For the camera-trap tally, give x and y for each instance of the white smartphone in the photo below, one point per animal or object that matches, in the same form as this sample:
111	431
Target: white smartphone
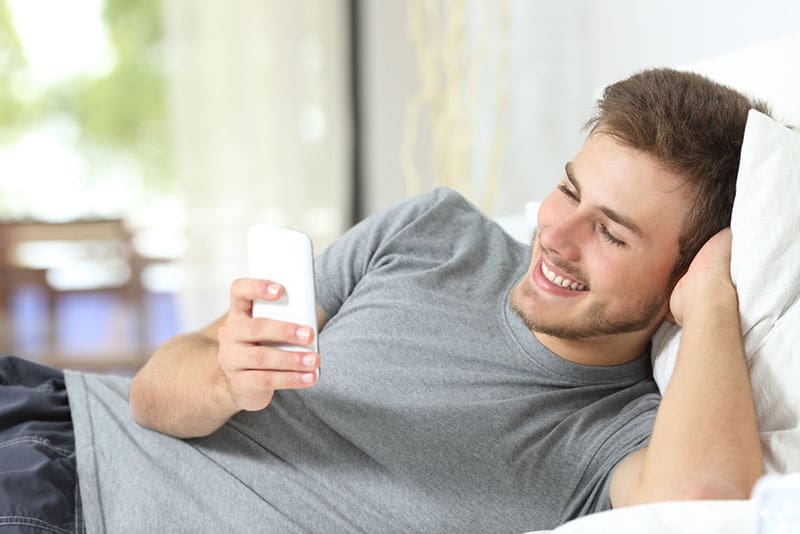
284	256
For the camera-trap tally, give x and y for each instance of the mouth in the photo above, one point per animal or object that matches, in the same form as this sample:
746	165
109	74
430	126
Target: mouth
561	280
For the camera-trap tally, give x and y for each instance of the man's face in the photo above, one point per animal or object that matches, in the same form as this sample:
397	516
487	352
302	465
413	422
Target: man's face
606	244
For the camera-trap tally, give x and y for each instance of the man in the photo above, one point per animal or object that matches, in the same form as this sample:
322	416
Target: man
471	383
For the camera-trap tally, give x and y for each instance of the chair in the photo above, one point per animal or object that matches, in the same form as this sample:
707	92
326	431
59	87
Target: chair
72	257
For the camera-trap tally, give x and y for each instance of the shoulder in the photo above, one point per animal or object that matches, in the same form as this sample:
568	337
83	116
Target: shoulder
441	219
450	208
449	222
441	198
433	212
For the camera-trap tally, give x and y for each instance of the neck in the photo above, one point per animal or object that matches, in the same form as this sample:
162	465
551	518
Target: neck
601	351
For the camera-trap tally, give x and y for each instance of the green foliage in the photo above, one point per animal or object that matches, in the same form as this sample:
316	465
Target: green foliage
115	108
14	113
122	111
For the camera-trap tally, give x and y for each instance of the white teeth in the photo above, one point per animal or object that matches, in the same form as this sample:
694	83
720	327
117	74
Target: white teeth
561	281
550	275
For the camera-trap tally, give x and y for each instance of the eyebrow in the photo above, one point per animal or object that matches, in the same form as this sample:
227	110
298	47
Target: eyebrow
608	212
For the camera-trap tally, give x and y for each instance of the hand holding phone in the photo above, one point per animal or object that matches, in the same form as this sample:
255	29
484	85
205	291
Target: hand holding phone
284	256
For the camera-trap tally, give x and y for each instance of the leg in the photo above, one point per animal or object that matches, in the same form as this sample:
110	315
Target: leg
38	477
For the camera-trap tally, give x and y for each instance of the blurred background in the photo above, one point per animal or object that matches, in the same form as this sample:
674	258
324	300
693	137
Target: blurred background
140	138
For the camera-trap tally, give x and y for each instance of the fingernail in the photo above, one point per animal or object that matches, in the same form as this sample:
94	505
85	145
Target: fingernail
273	290
309	359
307	377
303	333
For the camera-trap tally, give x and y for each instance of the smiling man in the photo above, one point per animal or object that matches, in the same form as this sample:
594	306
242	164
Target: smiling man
471	383
603	260
654	180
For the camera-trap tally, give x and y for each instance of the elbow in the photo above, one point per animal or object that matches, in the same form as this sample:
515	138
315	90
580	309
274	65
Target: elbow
713	492
140	403
723	488
699	489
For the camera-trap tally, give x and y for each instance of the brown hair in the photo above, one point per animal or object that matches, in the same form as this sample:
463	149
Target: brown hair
694	127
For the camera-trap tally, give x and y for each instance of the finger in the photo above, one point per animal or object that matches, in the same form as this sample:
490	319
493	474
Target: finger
272	359
264	330
245	290
254	382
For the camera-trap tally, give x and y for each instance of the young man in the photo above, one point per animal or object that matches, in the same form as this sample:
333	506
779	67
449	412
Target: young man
470	383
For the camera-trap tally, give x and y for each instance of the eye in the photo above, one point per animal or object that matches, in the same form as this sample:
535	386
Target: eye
608	236
569	193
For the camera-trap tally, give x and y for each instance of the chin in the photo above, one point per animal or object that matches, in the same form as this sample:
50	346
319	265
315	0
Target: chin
526	304
567	318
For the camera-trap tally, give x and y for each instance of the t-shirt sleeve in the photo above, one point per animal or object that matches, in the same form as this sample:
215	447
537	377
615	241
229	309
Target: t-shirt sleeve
341	266
630	432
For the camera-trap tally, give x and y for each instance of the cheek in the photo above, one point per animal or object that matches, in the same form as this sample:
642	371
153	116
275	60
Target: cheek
631	276
607	270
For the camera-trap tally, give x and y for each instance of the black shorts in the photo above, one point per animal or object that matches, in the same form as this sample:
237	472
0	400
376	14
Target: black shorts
38	477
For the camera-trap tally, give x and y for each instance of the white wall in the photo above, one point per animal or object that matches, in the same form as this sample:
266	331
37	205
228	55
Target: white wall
560	55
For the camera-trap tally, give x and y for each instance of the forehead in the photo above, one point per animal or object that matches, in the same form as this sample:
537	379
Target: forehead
632	183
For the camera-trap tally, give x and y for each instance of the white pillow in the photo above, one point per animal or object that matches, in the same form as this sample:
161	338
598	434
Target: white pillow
521	226
765	266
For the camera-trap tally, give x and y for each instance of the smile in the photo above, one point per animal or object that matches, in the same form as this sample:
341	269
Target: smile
559	280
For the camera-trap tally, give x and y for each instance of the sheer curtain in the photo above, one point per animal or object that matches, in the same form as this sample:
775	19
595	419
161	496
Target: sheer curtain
258	105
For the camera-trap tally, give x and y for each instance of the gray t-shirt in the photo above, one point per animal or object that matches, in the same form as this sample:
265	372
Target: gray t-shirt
436	410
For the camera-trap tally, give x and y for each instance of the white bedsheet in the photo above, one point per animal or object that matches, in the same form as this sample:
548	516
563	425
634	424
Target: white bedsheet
700	517
773	509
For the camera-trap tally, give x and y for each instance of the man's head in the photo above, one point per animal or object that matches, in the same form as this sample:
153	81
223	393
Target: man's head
694	127
653	181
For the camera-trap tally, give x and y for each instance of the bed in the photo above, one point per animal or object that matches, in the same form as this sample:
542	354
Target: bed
766	270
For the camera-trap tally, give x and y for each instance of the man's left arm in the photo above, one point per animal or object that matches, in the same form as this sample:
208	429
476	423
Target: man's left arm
705	442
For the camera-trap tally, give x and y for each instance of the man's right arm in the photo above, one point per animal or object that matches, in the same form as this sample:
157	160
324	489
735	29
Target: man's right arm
705	442
195	382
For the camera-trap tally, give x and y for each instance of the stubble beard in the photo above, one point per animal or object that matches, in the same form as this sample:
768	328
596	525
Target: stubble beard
596	322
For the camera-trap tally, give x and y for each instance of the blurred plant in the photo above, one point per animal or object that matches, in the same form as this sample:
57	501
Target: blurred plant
126	108
15	112
122	111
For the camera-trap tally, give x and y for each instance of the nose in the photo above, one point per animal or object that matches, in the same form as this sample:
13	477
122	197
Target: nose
562	237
